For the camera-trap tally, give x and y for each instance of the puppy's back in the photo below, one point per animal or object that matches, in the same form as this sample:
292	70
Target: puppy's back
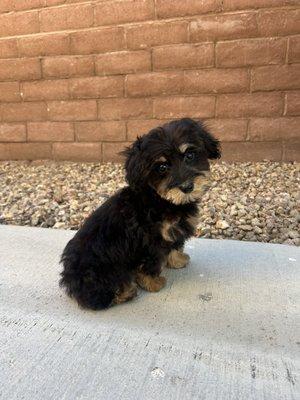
95	261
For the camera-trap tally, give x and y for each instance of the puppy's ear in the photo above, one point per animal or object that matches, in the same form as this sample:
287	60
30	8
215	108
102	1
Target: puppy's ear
211	144
135	164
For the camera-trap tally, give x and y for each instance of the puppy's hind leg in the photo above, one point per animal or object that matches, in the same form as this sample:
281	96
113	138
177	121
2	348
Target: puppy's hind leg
125	293
150	283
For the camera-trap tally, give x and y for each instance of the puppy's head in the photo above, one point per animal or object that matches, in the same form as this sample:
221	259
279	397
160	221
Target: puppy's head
173	160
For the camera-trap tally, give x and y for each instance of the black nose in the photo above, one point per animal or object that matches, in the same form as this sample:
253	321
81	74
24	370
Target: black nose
187	187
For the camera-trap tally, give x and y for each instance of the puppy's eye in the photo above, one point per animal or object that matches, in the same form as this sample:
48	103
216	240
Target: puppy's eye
162	168
189	156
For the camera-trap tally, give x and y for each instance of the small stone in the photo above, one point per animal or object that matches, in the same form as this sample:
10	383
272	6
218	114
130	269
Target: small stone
293	234
296	241
222	224
255	222
288	241
246	227
50	221
34	220
59	225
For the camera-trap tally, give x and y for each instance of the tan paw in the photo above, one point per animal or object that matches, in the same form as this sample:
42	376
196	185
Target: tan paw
149	283
177	259
127	293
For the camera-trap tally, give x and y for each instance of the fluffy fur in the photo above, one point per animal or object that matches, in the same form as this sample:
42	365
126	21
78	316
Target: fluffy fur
143	227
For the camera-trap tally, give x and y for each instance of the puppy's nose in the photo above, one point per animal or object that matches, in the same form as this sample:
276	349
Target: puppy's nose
187	187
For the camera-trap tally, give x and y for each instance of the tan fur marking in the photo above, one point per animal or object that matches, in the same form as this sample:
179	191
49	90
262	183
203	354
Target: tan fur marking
166	230
149	283
182	148
127	293
161	159
176	196
177	259
166	225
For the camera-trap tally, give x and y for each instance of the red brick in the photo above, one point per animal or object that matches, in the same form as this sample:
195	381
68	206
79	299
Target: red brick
77	151
248	151
171	8
140	127
96	87
77	1
117	12
66	67
69	17
12	24
50	131
276	77
116	109
228	130
6	5
248	105
98	41
20	5
179	107
216	81
9	91
245	4
123	62
96	131
183	56
293	103
20	69
294	49
44	45
292	151
29	151
75	110
49	3
45	90
228	26
278	22
24	111
111	151
240	53
4	152
154	83
274	129
155	34
57	2
8	48
12	133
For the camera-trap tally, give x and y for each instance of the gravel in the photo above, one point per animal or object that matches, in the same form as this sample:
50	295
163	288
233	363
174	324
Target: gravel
247	201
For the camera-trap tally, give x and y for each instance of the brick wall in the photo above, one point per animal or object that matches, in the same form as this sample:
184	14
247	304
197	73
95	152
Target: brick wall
79	79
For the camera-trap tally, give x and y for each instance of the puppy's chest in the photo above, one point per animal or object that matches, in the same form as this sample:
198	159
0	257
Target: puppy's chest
178	228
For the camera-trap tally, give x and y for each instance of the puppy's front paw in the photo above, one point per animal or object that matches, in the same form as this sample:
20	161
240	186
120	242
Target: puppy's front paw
158	283
149	283
177	259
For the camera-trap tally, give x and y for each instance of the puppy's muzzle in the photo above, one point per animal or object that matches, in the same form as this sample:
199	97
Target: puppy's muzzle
187	187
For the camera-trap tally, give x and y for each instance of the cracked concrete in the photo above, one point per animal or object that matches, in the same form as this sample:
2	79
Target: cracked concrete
225	327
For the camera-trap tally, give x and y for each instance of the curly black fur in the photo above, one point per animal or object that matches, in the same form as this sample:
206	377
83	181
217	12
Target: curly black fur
124	235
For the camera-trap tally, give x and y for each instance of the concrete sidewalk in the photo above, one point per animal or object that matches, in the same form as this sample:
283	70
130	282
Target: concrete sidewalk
226	327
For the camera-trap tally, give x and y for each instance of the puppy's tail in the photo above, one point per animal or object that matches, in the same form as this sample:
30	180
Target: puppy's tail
81	283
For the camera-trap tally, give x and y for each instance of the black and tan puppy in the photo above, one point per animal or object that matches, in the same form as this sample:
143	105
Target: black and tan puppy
143	227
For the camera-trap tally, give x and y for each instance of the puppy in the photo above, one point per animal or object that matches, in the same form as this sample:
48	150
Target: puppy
143	227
